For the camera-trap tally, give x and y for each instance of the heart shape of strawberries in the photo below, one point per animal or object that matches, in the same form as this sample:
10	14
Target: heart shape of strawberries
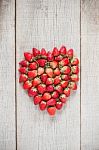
49	77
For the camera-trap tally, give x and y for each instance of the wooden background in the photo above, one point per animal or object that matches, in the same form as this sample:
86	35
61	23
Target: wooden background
47	23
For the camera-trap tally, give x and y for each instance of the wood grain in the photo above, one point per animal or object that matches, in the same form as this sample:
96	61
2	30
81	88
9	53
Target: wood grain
47	23
90	75
7	75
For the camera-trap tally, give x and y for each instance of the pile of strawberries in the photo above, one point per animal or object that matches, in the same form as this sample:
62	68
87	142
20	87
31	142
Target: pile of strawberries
49	77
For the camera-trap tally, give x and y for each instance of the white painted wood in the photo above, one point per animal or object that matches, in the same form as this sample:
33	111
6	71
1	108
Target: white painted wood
90	75
47	23
7	75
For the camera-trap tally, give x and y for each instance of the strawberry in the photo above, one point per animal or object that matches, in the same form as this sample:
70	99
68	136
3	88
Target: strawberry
59	58
67	91
46	96
27	85
59	105
66	70
59	89
57	72
74	61
32	74
23	78
55	94
64	62
55	52
65	77
50	88
53	64
50	56
36	81
44	77
49	72
64	84
74	77
32	92
41	88
63	98
42	105
51	110
49	81
40	71
28	56
51	102
70	53
37	99
62	50
41	62
43	52
57	80
75	69
23	63
35	51
23	70
33	66
73	85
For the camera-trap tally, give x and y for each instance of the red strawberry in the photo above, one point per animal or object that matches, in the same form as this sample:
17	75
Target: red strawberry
41	88
27	85
50	88
64	84
43	52
40	70
55	52
46	96
62	50
75	69
28	56
73	85
53	64
41	62
74	61
36	81
44	77
59	105
32	74
70	53
23	70
63	98
74	77
36	52
55	94
59	89
23	78
66	70
33	66
59	58
24	63
67	91
50	56
42	105
57	80
51	102
32	92
37	99
64	62
51	110
57	72
49	72
49	81
65	77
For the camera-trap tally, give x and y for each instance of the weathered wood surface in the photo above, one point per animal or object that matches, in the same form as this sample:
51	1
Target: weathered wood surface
49	23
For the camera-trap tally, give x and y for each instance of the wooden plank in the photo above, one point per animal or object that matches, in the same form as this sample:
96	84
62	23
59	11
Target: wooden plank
7	75
90	75
47	23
